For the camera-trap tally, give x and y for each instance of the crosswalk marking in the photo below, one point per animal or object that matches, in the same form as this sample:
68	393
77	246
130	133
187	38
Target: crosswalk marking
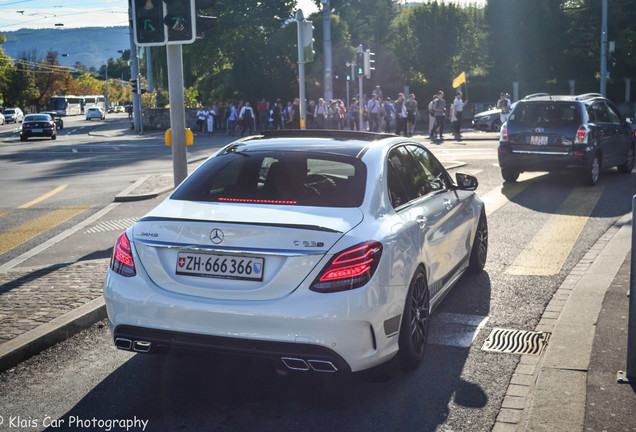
27	231
43	197
546	253
496	198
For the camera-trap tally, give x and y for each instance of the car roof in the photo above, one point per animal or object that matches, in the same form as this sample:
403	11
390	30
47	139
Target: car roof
342	142
586	98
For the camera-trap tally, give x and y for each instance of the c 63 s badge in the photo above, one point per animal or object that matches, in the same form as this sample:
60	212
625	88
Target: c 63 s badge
308	243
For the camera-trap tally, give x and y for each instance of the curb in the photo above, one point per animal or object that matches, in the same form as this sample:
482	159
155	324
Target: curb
128	194
45	336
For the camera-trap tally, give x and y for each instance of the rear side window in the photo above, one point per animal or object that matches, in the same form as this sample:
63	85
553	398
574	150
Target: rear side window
546	114
277	178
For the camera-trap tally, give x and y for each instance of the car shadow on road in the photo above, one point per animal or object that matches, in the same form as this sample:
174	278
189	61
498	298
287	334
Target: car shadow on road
547	192
214	392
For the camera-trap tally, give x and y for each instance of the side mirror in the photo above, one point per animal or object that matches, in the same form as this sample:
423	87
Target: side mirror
466	181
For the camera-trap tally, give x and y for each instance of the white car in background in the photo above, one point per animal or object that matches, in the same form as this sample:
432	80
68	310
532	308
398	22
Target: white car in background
95	112
13	115
322	250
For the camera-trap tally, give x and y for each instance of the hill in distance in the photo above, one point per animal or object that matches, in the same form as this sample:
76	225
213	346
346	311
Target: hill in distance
91	46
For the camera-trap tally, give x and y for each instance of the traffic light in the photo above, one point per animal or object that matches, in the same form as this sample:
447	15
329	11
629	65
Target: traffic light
367	63
133	85
148	22
360	63
180	21
308	38
204	22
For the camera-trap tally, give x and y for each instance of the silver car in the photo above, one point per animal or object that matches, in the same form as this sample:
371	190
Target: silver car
322	250
13	115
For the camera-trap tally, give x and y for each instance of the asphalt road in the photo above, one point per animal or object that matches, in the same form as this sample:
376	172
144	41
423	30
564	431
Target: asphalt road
539	229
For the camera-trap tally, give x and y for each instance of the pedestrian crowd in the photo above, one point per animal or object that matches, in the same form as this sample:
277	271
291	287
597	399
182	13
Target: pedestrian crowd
379	114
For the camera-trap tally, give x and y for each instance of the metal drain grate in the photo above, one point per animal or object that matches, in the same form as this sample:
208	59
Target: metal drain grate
516	341
113	225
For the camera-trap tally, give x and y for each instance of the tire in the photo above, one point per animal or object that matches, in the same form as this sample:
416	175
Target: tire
23	138
628	166
479	251
496	126
54	137
592	172
509	174
414	329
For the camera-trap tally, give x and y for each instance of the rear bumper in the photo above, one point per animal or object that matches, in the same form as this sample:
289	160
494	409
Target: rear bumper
533	158
305	356
340	328
47	133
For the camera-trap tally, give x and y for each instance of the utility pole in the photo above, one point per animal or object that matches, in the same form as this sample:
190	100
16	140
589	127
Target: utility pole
604	49
301	66
326	19
107	89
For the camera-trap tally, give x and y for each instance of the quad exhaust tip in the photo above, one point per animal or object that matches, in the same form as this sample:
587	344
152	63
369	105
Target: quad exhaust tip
130	345
299	364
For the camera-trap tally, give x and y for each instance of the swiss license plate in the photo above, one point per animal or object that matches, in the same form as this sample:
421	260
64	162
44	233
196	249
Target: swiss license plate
37	130
539	140
220	266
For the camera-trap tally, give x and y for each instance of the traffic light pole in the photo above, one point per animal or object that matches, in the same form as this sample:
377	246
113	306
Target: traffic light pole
134	74
301	67
360	95
177	113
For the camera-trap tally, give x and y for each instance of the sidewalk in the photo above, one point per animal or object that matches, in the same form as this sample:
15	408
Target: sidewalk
573	385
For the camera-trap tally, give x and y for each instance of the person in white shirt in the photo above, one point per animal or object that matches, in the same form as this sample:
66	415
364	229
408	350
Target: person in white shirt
458	108
247	115
202	115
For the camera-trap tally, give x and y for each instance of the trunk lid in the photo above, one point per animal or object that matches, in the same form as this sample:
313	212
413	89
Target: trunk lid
236	251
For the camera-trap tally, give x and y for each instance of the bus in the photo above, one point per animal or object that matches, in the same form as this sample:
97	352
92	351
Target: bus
75	105
67	105
95	101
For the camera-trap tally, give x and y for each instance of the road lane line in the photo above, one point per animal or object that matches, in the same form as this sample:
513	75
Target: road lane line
502	195
43	197
546	253
27	231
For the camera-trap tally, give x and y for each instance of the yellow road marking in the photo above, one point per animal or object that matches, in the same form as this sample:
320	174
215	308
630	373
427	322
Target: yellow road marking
550	247
25	232
3	213
499	196
43	197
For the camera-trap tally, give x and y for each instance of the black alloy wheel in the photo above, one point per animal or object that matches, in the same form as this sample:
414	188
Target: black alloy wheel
479	252
414	329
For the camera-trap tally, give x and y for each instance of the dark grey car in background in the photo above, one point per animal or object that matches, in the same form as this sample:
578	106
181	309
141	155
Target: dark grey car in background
585	133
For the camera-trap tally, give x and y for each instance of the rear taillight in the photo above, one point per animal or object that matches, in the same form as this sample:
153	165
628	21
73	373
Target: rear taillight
503	136
121	262
349	269
581	135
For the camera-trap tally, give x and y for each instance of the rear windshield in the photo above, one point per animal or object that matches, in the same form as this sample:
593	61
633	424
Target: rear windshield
9	111
546	114
37	117
277	178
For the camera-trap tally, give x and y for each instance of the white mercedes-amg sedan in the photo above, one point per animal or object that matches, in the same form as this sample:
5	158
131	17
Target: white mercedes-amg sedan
323	250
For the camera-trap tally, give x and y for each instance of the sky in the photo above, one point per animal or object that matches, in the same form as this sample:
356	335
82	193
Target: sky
17	14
